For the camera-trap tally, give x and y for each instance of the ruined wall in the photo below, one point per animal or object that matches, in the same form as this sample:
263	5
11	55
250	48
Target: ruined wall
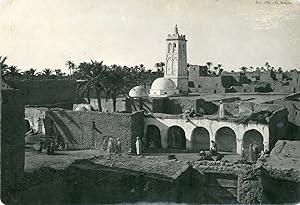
91	130
172	105
230	183
293	108
38	92
178	105
155	105
278	126
12	144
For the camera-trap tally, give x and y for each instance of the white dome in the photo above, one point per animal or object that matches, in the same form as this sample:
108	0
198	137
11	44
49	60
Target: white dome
163	84
138	91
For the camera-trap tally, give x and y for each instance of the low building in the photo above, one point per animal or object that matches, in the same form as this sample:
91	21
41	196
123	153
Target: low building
232	134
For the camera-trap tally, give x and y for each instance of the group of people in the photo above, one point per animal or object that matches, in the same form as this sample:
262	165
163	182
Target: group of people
213	152
113	147
192	113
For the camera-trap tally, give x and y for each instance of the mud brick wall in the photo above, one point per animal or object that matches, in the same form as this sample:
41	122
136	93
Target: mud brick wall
39	92
230	183
148	104
91	130
250	189
12	144
278	190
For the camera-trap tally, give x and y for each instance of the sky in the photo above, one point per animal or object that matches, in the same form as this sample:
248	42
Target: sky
47	33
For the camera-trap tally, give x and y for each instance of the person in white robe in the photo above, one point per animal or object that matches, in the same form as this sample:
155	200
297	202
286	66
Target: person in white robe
221	110
138	146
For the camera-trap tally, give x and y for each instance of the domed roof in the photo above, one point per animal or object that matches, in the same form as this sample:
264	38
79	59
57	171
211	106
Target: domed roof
138	91
163	84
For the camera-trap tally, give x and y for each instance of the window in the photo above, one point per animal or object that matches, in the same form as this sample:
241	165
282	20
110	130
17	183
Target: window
169	48
174	47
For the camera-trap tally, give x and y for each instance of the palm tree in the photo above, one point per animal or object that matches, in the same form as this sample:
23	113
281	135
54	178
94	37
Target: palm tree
29	74
162	65
93	75
47	72
3	66
244	69
124	79
157	65
220	70
12	72
71	66
267	65
209	64
59	73
216	70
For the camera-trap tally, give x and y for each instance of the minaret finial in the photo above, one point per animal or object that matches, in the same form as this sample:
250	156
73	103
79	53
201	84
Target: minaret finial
176	29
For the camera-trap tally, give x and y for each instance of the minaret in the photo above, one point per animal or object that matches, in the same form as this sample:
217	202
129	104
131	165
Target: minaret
176	60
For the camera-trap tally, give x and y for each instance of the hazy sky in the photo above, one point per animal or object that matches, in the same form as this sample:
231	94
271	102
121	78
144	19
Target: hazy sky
46	33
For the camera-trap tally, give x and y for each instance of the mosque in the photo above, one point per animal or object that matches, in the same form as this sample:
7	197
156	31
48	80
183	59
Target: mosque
175	80
176	131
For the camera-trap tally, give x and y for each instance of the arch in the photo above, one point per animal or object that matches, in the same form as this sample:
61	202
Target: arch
27	125
174	47
226	140
252	137
169	47
200	139
153	134
176	138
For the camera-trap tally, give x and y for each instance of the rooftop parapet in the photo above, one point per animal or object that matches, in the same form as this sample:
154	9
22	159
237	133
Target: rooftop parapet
176	37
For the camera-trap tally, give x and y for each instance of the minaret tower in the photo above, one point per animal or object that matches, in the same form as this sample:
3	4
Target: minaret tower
176	60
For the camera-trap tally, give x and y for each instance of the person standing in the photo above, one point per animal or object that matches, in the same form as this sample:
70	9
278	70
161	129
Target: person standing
221	110
138	146
110	146
213	149
118	146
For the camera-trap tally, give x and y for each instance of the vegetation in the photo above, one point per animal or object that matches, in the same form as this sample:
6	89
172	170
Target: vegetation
98	80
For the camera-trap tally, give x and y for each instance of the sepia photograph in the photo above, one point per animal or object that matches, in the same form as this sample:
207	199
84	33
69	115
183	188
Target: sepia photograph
150	101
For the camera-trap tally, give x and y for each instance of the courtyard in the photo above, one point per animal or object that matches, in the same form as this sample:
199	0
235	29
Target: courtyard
63	158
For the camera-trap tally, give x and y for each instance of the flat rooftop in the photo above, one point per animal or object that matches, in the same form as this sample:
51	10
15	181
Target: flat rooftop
249	97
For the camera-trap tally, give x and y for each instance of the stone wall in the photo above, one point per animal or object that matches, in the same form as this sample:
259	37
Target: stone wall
12	144
91	130
39	92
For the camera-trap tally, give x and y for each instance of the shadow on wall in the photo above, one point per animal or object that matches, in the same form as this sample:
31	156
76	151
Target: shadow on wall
62	129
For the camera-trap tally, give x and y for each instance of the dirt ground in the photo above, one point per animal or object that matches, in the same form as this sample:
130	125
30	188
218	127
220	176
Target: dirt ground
62	159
